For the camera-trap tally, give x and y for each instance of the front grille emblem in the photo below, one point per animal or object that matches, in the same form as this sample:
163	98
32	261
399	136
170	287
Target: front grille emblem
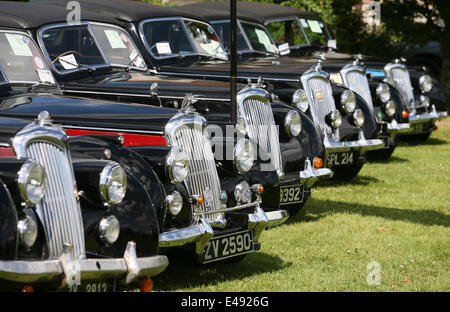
320	95
209	199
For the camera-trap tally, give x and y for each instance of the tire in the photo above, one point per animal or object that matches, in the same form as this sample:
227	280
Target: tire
347	172
295	209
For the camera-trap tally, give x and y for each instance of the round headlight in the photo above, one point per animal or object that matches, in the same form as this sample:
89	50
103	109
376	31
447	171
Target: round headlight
109	229
244	155
348	101
113	183
358	117
425	83
300	100
293	123
425	100
390	108
383	92
31	180
27	230
243	193
240	126
334	119
174	203
177	165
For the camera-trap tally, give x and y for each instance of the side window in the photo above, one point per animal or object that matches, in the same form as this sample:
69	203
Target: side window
287	32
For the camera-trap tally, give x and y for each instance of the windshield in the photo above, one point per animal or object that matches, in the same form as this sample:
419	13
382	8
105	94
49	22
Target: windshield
259	38
315	30
72	47
21	60
175	37
118	47
223	31
287	31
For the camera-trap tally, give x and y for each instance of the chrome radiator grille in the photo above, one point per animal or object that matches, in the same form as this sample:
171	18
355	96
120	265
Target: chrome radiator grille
399	73
262	129
320	97
357	81
203	178
59	210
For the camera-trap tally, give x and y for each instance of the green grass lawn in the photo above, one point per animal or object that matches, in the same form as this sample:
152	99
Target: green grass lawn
395	213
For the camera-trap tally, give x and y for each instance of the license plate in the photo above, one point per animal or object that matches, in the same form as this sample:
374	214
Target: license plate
419	127
227	246
291	194
90	287
340	159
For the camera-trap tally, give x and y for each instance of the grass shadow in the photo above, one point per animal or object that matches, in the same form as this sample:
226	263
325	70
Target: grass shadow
196	275
317	209
392	159
358	180
405	141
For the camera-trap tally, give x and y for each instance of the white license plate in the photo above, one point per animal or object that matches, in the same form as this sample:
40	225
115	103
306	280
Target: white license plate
340	159
291	194
227	246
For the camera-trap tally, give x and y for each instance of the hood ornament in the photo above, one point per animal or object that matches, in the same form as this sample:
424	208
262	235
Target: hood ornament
188	102
259	83
358	59
320	60
44	118
400	60
155	93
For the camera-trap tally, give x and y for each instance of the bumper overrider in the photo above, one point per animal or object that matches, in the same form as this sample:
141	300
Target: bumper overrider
396	128
362	145
310	175
65	269
202	232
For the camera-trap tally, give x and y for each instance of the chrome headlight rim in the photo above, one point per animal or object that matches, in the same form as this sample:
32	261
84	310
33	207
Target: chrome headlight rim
348	101
334	119
358	117
177	164
383	92
425	83
241	126
27	230
390	108
174	203
293	123
109	229
113	177
32	173
300	100
244	148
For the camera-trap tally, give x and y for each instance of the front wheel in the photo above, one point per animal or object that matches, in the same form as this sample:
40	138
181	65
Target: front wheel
347	172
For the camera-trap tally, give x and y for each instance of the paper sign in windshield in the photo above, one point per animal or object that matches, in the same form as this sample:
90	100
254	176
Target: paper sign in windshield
68	61
45	76
283	49
263	37
315	27
136	59
114	39
18	45
163	48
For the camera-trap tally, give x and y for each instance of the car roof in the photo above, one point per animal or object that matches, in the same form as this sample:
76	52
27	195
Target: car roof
29	15
251	11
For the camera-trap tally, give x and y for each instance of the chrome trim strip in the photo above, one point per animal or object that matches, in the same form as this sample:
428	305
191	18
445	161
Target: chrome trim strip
113	130
224	76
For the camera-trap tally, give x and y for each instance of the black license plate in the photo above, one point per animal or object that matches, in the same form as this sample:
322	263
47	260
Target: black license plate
291	194
227	246
341	159
90	286
419	128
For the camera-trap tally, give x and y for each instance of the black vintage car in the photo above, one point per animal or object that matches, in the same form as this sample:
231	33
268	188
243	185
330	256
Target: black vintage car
104	71
304	34
69	221
179	44
191	206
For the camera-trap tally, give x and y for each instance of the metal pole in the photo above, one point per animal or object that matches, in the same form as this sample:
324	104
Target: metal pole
233	60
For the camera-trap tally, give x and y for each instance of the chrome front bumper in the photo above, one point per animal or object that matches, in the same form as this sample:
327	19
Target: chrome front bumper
309	176
202	232
362	144
395	128
72	271
423	118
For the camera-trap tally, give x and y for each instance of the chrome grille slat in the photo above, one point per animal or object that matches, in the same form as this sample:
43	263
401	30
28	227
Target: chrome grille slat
202	167
59	208
357	81
262	129
317	82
